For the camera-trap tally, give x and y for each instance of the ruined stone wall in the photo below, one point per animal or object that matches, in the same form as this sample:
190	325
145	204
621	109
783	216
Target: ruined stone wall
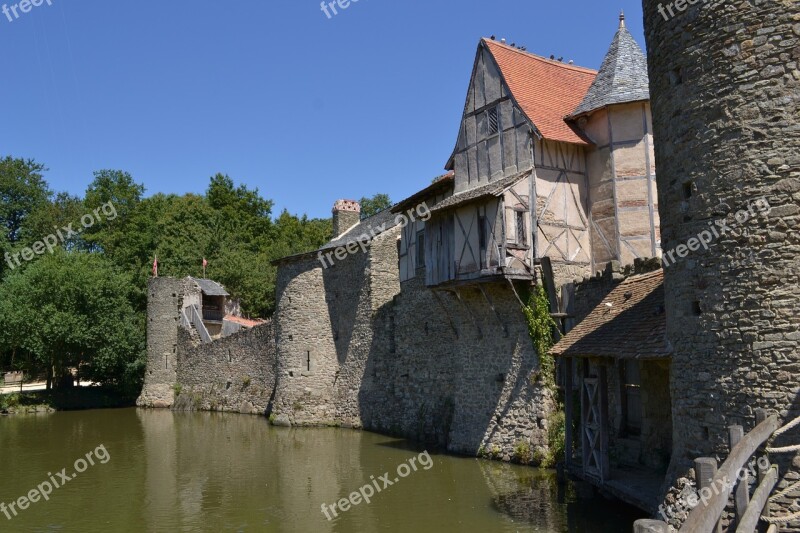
164	304
725	89
236	373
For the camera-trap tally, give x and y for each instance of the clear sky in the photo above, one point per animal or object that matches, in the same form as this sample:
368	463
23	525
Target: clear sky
274	93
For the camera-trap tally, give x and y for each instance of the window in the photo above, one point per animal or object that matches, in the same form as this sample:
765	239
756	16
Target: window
420	249
494	121
522	235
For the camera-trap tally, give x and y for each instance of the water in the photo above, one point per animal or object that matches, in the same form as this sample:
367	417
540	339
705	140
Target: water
161	471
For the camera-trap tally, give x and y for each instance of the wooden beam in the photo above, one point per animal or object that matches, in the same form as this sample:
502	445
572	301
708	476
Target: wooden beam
471	314
496	314
750	519
444	308
742	491
703	517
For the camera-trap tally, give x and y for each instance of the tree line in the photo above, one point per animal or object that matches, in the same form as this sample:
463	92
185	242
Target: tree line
84	305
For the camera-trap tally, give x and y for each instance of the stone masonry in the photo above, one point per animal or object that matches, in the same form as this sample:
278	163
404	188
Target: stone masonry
725	86
236	373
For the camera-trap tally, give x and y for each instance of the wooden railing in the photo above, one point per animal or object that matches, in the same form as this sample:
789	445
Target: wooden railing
715	485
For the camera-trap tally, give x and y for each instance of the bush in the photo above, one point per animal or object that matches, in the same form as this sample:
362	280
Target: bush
522	452
555	439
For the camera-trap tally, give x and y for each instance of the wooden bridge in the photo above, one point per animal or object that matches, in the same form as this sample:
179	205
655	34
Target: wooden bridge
715	484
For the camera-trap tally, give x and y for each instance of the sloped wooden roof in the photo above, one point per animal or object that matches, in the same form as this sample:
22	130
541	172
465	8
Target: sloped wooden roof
630	323
494	188
546	90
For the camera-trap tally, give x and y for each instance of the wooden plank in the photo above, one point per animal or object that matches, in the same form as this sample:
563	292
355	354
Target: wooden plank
751	518
491	306
549	284
741	494
602	398
706	470
762	458
703	517
470	313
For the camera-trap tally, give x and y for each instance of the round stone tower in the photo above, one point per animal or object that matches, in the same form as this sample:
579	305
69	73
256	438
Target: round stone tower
725	89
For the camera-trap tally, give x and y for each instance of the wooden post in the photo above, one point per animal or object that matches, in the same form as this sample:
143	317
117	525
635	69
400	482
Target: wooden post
761	416
742	492
605	466
650	526
705	469
568	410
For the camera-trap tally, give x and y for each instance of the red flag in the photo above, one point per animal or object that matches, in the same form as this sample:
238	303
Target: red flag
155	267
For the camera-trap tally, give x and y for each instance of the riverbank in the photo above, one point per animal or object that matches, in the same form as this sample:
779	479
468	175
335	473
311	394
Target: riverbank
74	399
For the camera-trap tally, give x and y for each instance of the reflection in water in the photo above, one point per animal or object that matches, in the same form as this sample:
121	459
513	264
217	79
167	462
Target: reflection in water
213	472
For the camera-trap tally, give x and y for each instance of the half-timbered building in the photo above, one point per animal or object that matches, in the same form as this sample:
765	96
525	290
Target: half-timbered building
576	141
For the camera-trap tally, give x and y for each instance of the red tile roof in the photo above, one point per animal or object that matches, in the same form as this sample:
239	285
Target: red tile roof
246	322
545	89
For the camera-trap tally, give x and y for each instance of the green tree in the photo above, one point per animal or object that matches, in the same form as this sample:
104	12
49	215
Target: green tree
73	310
22	189
373	206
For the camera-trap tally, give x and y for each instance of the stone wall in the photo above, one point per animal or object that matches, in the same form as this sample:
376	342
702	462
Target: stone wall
410	362
164	304
236	373
725	89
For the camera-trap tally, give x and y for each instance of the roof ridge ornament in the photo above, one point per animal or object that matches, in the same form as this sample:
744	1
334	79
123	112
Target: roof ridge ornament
622	19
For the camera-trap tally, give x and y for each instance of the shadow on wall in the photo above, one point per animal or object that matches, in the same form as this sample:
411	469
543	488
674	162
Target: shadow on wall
454	373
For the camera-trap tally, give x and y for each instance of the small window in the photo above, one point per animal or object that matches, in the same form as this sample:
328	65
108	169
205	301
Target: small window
522	235
420	249
494	121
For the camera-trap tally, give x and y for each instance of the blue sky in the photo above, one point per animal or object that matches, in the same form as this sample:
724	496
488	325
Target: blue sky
275	94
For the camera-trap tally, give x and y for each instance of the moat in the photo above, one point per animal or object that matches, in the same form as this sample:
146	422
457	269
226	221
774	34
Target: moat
165	471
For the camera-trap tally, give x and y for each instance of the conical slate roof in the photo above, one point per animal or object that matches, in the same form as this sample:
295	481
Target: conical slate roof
622	77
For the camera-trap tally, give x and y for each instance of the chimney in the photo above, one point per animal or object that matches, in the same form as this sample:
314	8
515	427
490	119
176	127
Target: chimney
346	214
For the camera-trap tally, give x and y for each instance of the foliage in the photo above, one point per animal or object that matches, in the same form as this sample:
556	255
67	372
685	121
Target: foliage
522	451
555	439
540	328
22	190
85	305
72	310
9	401
373	206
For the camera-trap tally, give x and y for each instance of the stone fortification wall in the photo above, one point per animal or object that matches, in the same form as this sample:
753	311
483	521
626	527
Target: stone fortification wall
355	350
164	304
725	88
236	373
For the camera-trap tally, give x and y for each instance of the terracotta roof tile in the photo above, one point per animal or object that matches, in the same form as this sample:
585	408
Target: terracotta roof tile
545	89
630	323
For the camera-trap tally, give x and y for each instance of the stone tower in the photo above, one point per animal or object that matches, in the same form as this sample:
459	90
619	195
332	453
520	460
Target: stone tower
725	88
164	303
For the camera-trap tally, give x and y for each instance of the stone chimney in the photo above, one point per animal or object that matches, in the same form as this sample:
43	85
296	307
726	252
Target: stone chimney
346	214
